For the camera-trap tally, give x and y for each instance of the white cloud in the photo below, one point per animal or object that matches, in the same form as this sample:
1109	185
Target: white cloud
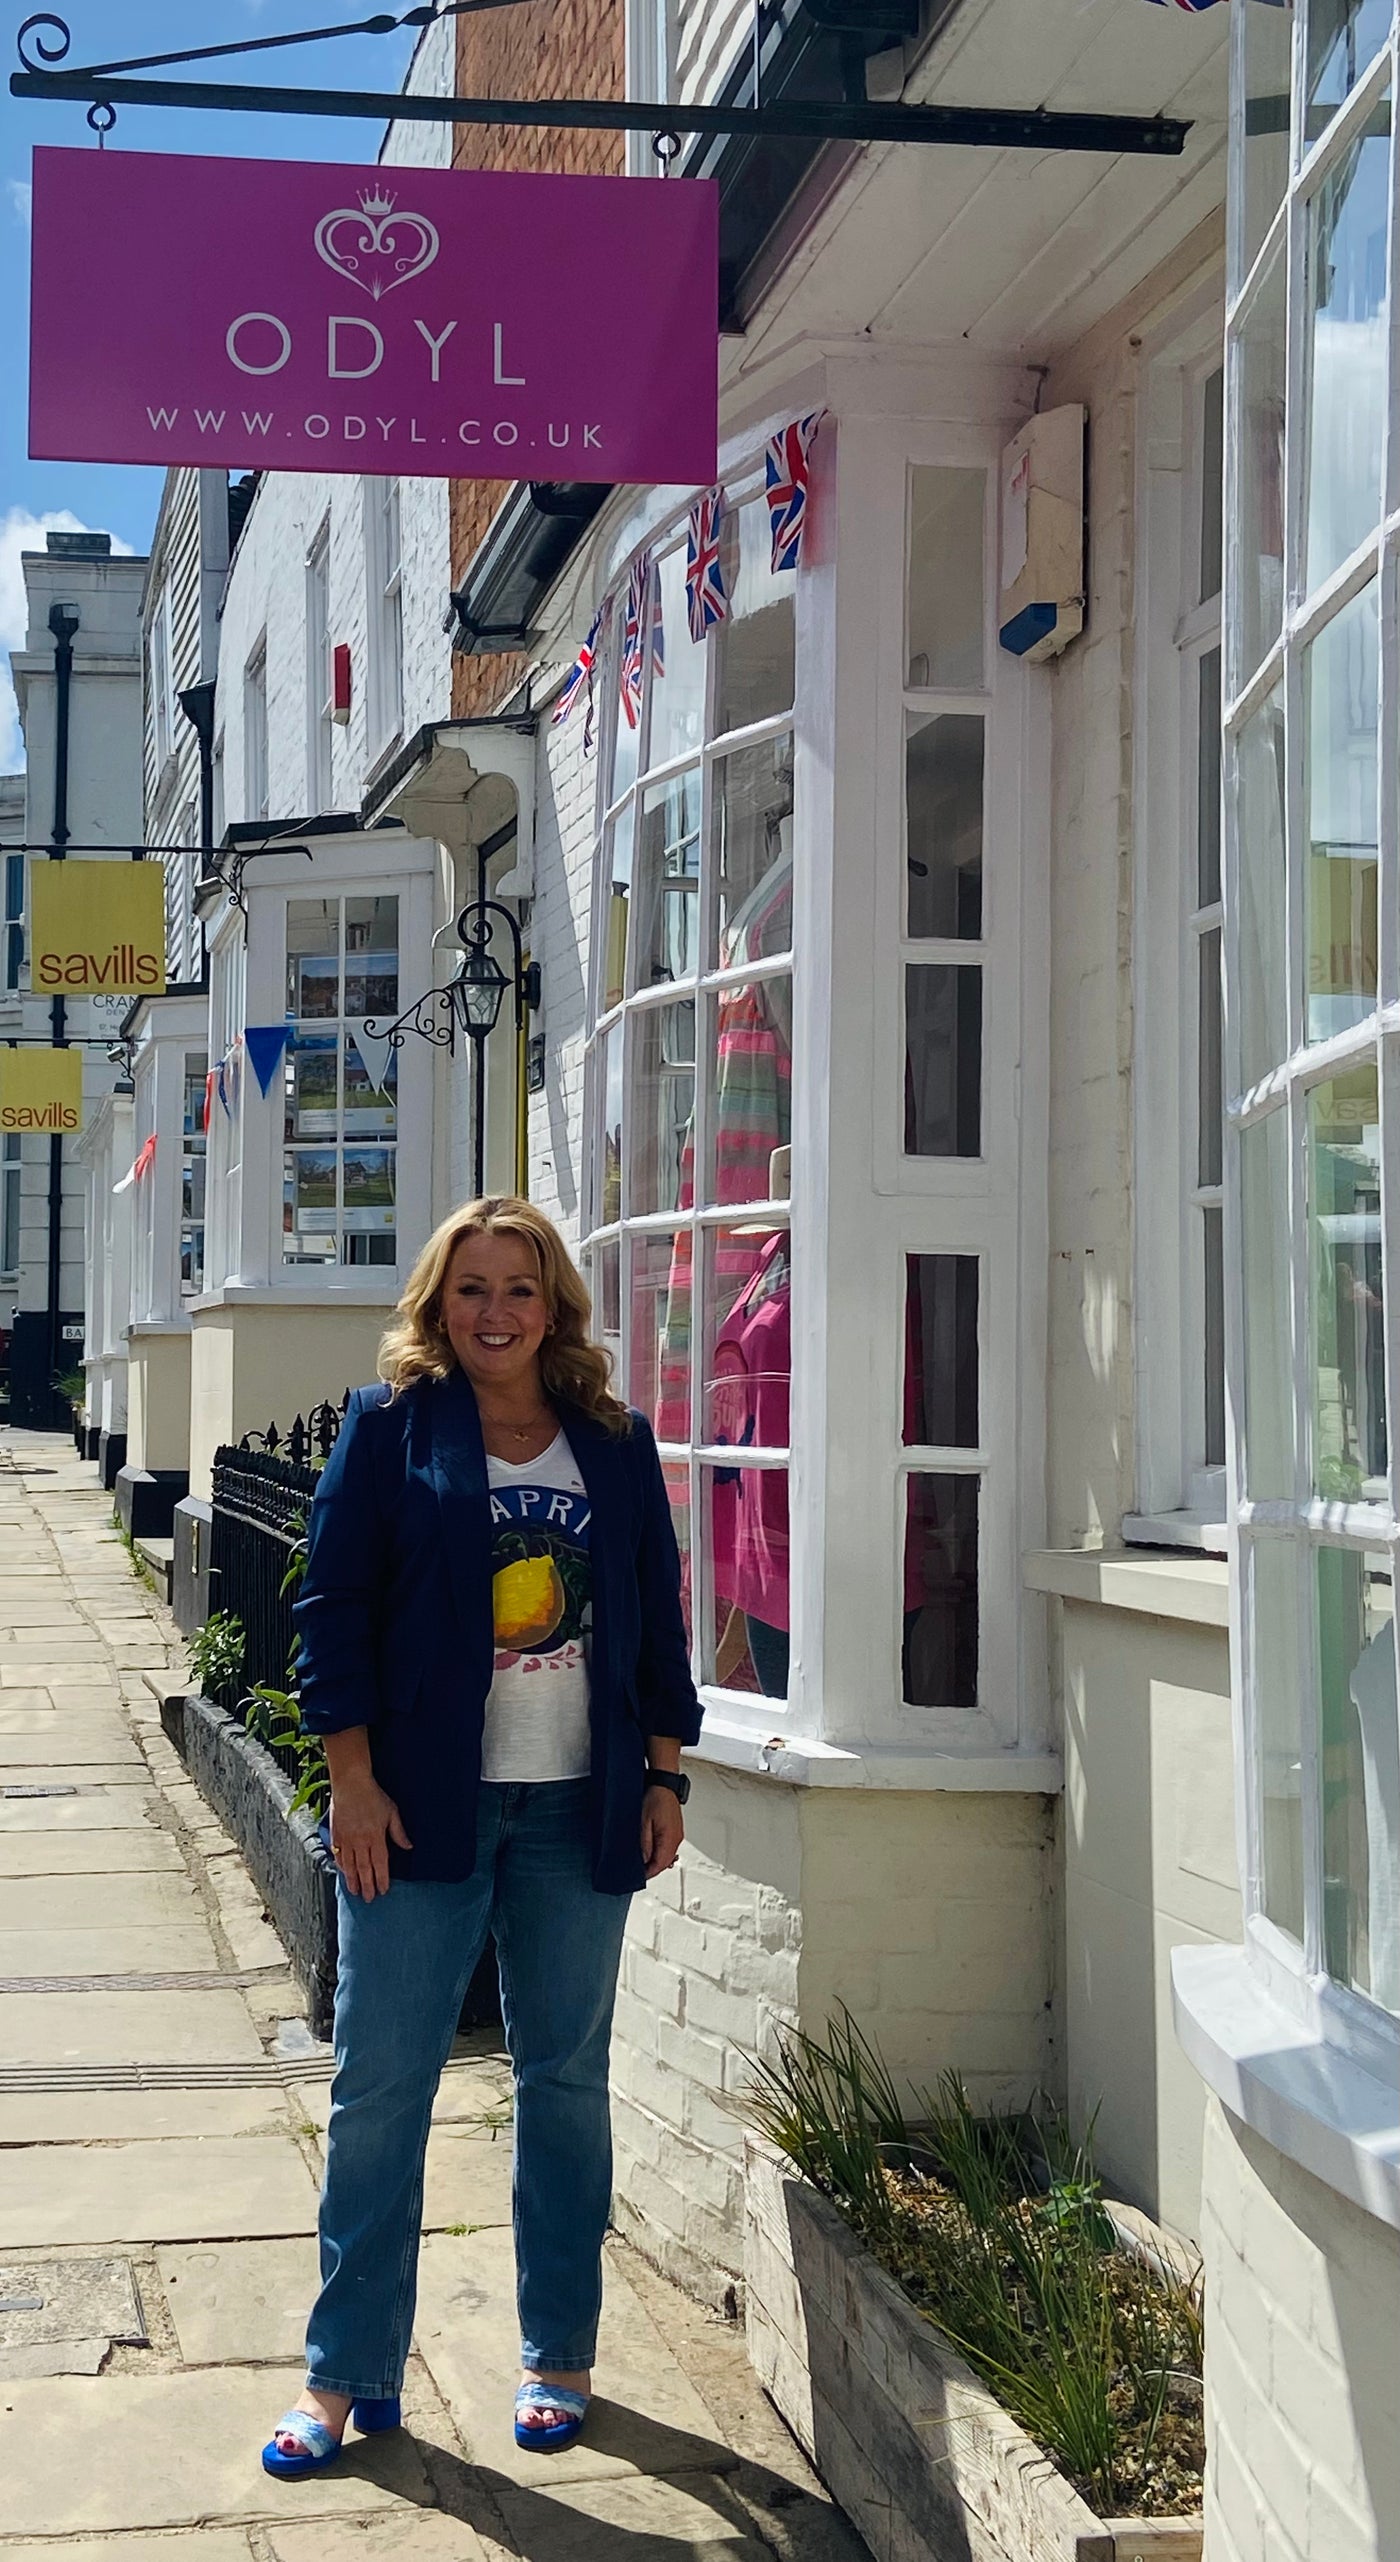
21	196
20	531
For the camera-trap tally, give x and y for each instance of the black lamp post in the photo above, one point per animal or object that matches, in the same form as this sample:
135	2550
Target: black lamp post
472	1000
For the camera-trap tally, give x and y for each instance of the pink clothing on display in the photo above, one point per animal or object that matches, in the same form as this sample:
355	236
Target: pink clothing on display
753	1366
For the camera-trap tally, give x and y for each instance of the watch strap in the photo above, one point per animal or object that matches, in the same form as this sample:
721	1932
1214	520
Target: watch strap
675	1780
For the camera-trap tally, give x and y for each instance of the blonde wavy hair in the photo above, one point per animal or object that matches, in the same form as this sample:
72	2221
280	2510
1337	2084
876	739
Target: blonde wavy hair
572	1366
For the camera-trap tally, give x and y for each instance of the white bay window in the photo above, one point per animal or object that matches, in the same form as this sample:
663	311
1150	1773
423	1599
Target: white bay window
1312	1072
810	1040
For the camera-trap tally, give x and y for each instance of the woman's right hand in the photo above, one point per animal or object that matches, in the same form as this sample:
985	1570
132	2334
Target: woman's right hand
363	1823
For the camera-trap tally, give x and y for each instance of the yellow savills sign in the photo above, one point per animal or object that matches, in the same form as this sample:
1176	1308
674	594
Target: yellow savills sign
41	1090
97	929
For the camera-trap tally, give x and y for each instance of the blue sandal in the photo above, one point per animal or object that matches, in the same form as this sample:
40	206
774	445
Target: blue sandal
550	2397
319	2446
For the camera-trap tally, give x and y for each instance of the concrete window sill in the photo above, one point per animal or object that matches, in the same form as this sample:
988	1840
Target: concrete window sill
1297	2088
1183	1585
735	1737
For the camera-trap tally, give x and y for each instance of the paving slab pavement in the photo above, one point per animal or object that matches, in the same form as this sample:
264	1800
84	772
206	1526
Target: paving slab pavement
179	2129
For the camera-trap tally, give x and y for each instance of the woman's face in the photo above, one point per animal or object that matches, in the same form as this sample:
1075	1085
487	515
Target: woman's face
494	1311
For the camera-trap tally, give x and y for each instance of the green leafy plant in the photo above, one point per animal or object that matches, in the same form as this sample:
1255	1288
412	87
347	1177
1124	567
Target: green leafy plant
71	1384
274	1716
995	2226
216	1654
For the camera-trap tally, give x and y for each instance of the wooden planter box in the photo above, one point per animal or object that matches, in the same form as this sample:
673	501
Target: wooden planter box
918	2452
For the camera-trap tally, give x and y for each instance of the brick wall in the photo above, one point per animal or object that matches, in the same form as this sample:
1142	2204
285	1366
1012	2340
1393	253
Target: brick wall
930	1915
538	49
1303	2293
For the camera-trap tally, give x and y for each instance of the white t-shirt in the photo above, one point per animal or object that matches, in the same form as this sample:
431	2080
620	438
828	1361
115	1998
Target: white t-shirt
542	1590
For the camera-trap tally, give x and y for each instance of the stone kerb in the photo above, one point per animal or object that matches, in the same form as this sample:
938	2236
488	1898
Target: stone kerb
920	2455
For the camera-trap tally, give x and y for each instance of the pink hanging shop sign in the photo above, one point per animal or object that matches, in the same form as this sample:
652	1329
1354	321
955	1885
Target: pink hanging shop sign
304	316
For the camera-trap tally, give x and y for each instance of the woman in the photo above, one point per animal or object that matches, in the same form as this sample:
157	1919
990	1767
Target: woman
493	1648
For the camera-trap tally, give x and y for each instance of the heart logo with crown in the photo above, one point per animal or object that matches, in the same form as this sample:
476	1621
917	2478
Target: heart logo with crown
375	246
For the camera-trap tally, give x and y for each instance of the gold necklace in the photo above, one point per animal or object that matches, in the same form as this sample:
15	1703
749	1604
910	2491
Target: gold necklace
523	1431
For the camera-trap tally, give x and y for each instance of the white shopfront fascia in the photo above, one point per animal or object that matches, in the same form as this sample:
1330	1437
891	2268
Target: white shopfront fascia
859	1205
248	981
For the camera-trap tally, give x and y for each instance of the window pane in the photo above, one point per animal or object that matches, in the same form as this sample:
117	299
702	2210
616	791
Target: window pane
312	1081
1344	37
1340	673
371	957
1268	1359
1268	46
313	957
626	740
369	1107
659	1333
746	1513
610	1098
1213	1295
751	1099
1262	379
1344	1217
1273	1619
677	1480
606	1289
309	1214
666	901
752	820
749	1332
618	874
1360	1773
1263	979
678	685
1212	481
947	591
943	1060
1347	393
943	823
1210	1098
940	1350
662	1107
756	646
940	1592
1208	780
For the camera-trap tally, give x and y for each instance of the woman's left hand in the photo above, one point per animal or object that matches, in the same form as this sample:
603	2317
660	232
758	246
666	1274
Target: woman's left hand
663	1830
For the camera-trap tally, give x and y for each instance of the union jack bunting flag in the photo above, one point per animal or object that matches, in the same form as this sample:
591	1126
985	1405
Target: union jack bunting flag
1184	4
632	659
581	673
658	631
787	470
705	597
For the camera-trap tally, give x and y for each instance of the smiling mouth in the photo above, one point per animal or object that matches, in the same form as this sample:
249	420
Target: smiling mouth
497	1342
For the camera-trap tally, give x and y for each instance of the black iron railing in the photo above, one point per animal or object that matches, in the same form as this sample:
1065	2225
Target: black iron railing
311	1439
261	1501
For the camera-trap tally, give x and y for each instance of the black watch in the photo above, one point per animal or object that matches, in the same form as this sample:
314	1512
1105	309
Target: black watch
675	1780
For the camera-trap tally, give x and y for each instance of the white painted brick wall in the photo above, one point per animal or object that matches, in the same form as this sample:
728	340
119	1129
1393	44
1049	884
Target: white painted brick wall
1303	2327
559	940
929	1915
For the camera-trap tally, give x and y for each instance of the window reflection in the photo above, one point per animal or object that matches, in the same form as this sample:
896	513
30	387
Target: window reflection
1263	945
1268	1357
1344	37
947	608
1360	1772
755	647
943	820
618	875
940	1592
662	1106
940	1350
748	1521
752	819
1344	1213
1262	376
1348	222
666	896
1268	46
943	1060
1273	1620
1341	676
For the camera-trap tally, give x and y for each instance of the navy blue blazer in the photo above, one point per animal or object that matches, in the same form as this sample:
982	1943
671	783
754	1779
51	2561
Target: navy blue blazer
397	1630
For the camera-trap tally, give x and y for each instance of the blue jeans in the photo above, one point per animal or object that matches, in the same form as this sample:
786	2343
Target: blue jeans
405	1962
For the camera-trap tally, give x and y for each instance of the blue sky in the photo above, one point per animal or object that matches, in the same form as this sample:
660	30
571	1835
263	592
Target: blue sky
118	498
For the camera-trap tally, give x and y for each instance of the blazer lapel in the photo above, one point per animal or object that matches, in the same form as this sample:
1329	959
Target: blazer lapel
463	1493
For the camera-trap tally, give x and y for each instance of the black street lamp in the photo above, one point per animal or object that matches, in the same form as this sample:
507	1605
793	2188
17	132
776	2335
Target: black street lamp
472	1000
